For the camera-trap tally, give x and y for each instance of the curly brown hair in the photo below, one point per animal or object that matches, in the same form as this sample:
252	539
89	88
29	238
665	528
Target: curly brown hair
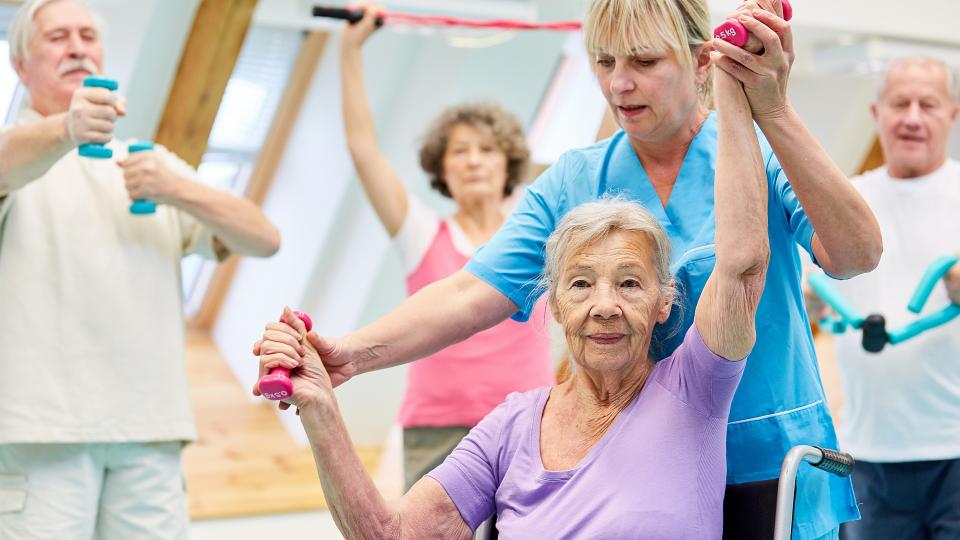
507	132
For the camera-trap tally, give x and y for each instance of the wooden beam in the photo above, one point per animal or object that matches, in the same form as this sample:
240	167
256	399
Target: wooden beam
265	169
212	48
873	159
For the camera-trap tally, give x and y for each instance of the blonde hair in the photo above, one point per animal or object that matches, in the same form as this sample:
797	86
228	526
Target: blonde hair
631	26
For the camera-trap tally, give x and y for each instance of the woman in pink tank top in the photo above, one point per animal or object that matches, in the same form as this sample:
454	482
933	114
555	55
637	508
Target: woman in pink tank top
476	155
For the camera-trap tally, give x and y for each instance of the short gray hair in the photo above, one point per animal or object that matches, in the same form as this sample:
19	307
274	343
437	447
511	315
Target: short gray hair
952	84
22	26
593	221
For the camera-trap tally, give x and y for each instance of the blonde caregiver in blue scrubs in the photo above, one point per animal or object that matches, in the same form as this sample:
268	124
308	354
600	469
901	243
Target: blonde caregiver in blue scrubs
652	61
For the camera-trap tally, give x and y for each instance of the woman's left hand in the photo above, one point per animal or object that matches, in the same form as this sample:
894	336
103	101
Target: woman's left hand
764	76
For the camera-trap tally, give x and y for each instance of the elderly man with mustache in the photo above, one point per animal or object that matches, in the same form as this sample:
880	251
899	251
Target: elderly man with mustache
95	408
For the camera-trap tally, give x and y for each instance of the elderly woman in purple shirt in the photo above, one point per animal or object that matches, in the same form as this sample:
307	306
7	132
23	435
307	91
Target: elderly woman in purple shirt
625	448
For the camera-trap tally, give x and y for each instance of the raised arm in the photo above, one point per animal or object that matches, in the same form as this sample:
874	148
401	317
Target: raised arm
726	312
426	511
27	152
383	187
847	241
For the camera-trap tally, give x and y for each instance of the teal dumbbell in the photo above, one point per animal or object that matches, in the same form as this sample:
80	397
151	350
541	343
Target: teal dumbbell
141	207
96	150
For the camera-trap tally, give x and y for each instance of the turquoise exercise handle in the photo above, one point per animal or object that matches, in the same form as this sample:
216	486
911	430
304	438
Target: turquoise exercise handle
848	314
923	324
935	272
97	150
142	207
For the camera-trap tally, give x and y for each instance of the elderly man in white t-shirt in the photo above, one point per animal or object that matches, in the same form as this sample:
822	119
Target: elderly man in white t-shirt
95	407
902	412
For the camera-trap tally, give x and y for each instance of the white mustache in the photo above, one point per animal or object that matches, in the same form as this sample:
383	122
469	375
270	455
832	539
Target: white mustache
73	64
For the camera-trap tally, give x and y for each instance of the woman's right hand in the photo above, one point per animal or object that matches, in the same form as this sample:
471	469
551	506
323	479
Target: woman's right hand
354	35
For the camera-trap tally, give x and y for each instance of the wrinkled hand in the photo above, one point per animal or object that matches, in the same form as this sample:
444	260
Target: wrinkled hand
147	177
92	115
353	36
764	76
952	281
318	364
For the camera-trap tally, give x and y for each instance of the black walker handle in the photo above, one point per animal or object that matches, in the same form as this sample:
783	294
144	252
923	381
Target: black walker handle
835	461
352	16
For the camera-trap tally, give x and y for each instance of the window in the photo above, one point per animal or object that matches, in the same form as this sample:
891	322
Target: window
572	109
246	112
11	94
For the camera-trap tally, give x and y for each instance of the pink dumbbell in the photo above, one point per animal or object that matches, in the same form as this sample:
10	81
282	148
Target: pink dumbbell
732	31
277	385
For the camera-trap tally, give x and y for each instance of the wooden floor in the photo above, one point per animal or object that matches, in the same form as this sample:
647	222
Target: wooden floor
245	462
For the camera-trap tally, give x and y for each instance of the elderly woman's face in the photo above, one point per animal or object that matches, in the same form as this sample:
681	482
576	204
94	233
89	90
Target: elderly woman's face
473	164
608	300
650	93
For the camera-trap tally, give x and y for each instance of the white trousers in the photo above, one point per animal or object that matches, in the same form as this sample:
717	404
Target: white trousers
111	491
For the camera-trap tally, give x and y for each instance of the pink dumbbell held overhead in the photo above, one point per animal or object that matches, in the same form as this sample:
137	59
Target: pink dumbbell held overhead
732	31
277	385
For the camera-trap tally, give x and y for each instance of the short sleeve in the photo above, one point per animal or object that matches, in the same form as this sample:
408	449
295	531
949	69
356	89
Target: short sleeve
196	238
416	233
796	218
512	261
700	378
470	474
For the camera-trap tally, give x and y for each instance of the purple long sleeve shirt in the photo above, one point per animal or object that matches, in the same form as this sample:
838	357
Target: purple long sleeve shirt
658	472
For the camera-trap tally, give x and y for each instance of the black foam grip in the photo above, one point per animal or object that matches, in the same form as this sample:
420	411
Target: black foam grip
836	462
874	333
350	15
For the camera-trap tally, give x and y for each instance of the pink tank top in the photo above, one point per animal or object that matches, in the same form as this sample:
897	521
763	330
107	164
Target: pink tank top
459	385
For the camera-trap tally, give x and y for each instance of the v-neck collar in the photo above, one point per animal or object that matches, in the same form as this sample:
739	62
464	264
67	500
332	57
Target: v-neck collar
693	186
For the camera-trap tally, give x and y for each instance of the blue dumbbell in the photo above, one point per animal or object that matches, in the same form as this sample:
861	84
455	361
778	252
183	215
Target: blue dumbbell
96	150
141	207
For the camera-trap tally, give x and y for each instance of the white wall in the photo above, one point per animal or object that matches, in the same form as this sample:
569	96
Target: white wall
143	43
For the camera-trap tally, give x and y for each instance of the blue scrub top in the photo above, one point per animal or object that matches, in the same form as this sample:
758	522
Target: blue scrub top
780	401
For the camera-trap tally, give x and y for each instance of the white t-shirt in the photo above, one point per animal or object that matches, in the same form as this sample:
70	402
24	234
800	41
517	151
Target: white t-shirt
418	231
91	325
903	404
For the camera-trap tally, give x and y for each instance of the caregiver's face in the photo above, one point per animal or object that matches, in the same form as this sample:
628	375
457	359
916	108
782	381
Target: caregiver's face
650	92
